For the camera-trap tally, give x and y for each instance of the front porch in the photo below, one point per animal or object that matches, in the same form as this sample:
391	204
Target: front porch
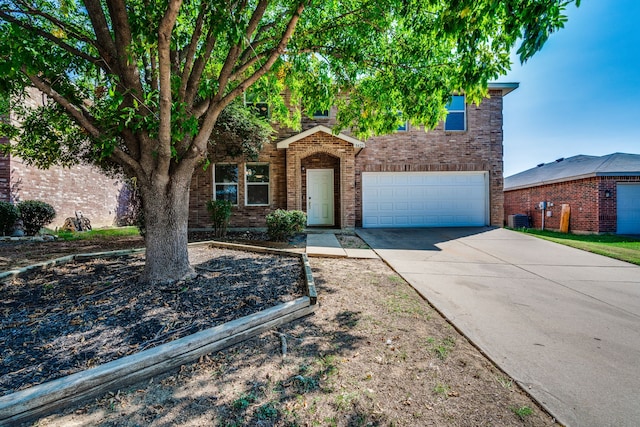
320	176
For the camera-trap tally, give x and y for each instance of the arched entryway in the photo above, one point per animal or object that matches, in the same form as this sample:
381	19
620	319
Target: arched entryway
321	189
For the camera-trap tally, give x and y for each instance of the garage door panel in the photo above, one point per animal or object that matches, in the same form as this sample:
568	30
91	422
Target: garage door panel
628	208
424	199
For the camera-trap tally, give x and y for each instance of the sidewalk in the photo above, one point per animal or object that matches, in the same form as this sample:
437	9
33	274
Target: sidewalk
326	245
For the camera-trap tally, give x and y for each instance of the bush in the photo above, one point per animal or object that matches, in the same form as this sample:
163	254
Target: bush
282	225
220	212
35	215
9	213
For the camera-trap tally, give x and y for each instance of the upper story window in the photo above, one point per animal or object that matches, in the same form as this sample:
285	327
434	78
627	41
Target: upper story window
257	184
226	182
321	114
260	108
457	117
404	125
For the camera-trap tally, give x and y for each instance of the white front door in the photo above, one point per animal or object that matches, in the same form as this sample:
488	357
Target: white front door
320	197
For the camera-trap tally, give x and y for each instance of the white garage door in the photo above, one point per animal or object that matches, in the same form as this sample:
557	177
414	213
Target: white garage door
628	208
424	199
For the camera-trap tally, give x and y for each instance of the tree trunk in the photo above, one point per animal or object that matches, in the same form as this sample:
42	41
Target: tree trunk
166	213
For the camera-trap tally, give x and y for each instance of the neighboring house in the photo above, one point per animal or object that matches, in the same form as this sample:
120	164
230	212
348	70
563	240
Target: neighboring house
446	177
603	193
80	188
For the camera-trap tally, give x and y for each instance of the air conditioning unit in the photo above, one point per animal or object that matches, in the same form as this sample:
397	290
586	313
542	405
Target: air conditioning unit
518	221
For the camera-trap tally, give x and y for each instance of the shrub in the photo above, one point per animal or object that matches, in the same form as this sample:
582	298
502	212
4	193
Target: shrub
35	215
220	213
9	213
282	225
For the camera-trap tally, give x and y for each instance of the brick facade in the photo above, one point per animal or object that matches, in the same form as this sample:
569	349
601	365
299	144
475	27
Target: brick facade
591	210
79	188
477	149
5	175
242	216
317	152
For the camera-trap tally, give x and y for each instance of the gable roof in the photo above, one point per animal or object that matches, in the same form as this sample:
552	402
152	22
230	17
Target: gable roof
286	142
576	167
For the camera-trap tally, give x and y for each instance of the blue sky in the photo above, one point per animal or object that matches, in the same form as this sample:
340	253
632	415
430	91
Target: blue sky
581	93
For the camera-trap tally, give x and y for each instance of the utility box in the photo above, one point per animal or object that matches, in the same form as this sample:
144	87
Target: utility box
518	221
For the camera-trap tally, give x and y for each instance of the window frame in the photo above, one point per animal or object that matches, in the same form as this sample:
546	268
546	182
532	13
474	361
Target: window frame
322	114
404	127
256	107
457	111
248	184
236	184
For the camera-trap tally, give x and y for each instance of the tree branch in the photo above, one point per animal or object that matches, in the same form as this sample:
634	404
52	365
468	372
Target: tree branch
51	38
165	30
104	41
191	53
234	51
199	144
123	43
81	118
198	68
273	56
127	162
244	67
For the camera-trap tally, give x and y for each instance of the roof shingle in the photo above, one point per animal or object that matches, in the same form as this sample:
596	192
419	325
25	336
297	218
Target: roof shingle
576	167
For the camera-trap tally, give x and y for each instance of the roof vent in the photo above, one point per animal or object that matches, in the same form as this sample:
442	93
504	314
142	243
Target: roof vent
559	160
539	165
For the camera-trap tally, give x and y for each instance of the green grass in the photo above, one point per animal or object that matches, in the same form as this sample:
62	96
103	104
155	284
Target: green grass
443	348
402	302
522	412
623	248
99	233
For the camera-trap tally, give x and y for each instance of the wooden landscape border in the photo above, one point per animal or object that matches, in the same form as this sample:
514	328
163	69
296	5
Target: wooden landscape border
42	399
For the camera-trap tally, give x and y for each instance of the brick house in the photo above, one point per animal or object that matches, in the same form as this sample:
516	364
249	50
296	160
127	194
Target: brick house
80	188
603	193
448	176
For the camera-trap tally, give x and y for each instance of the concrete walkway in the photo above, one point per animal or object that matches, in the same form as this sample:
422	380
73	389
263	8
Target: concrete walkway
562	322
327	245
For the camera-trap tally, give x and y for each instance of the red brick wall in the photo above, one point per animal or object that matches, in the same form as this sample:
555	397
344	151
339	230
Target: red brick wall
242	216
591	211
5	175
80	188
477	149
315	146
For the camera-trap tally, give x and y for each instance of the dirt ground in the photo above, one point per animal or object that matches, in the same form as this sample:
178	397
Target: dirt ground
374	354
74	316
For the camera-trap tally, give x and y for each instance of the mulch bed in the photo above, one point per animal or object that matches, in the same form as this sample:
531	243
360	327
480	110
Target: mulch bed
72	317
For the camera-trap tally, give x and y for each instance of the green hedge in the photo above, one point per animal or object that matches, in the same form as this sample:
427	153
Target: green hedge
35	215
282	224
9	213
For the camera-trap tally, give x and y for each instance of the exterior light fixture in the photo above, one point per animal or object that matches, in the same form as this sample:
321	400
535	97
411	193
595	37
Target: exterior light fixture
607	193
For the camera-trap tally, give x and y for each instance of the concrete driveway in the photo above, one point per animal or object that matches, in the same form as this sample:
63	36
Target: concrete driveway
562	322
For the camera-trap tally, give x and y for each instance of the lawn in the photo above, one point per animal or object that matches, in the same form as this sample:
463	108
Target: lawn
624	248
99	233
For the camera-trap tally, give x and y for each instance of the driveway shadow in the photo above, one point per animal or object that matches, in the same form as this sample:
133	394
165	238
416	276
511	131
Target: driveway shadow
423	239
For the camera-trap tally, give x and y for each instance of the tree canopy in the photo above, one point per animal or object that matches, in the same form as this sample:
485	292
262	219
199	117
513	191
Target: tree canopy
142	83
